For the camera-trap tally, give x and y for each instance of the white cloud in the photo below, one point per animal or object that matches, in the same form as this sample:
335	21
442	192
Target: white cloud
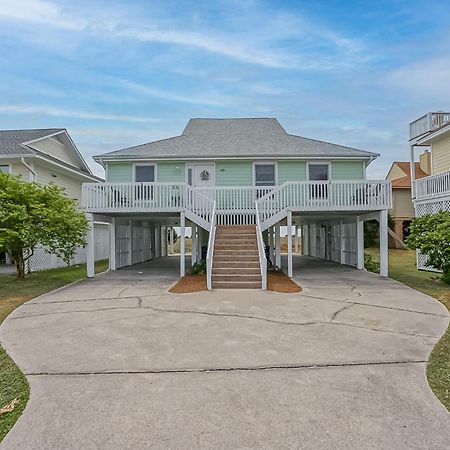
62	112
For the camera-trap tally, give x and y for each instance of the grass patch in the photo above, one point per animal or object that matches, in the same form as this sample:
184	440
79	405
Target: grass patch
402	267
13	293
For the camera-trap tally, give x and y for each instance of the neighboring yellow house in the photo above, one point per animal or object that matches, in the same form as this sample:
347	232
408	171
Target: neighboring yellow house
402	211
431	194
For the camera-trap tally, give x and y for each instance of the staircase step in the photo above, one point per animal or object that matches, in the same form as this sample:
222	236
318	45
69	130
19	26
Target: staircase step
236	285
236	277
236	264
236	270
236	260
235	247
235	237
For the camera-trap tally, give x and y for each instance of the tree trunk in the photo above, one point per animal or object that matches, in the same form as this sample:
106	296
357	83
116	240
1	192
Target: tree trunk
20	265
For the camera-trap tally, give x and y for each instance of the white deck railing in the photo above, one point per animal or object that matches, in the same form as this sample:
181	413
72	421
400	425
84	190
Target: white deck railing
428	122
236	201
432	186
210	252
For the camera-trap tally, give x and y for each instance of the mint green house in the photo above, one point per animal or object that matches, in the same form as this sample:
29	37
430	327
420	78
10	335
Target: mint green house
238	176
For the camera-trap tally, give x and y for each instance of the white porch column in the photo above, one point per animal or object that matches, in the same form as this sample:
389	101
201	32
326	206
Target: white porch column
271	244
342	242
277	245
384	251
130	243
412	171
359	243
289	242
194	244
182	244
164	240
90	247
199	243
112	244
296	239
171	240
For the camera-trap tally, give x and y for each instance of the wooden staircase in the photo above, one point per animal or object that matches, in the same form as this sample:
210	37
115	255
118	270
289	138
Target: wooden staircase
236	260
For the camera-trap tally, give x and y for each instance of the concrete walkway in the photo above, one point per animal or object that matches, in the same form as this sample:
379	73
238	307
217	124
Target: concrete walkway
118	362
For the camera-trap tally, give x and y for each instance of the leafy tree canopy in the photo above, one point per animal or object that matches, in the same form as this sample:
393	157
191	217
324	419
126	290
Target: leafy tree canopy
431	235
32	214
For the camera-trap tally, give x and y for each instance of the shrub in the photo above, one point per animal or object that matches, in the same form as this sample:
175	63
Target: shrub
199	268
370	264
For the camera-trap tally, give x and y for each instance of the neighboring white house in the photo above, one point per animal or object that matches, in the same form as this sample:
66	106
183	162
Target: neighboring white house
431	194
49	156
245	178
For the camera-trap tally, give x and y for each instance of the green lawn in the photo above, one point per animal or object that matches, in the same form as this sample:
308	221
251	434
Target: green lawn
13	384
402	267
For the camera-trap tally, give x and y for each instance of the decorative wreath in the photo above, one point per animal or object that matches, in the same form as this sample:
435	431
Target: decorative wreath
204	175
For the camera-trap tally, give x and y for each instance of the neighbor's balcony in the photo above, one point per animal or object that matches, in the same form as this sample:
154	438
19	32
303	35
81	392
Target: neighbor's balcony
352	195
428	123
432	187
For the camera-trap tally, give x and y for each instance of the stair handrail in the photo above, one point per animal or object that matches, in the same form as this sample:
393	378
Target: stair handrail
210	251
261	250
199	204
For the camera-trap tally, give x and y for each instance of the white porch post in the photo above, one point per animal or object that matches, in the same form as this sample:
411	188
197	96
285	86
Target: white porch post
112	244
289	242
130	243
171	240
384	252
194	244
90	247
277	245
342	241
199	243
359	243
182	244
412	170
271	244
296	239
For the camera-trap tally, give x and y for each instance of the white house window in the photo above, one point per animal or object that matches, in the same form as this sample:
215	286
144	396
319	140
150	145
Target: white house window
144	174
4	168
264	174
318	172
189	175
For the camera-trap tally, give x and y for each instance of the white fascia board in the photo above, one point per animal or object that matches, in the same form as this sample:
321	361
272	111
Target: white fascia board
430	138
78	173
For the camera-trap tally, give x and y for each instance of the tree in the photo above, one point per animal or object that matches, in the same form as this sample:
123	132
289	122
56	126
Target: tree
431	235
32	214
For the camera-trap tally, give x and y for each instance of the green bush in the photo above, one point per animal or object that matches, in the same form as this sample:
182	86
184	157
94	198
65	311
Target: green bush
370	264
199	268
431	235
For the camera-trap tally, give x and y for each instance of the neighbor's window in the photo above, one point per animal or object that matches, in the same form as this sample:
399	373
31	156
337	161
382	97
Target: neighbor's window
318	172
4	168
264	174
144	174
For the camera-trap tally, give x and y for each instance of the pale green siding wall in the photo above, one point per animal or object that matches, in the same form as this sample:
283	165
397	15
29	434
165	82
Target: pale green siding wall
119	172
234	173
291	171
171	172
347	170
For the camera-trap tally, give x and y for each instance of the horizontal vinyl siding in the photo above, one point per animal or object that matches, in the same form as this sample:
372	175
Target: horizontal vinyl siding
291	171
17	168
54	147
440	155
171	172
347	170
72	186
234	173
119	172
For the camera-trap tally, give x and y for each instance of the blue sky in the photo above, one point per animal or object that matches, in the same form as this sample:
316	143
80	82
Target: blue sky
120	73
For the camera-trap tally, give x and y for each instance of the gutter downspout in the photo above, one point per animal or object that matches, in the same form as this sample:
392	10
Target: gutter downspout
32	172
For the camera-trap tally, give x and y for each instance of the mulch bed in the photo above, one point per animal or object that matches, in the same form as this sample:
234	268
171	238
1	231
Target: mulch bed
189	283
280	282
276	282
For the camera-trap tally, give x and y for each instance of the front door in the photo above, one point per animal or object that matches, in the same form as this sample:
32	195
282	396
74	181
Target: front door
202	177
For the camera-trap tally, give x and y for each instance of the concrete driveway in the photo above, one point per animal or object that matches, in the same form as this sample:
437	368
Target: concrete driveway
118	362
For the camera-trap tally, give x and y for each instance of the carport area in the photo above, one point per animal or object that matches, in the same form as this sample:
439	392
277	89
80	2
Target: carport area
118	362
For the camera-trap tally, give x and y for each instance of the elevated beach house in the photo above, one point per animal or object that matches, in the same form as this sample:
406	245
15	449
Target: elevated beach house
431	194
235	182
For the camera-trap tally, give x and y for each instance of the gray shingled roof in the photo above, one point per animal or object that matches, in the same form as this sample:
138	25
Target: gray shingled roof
216	138
11	140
